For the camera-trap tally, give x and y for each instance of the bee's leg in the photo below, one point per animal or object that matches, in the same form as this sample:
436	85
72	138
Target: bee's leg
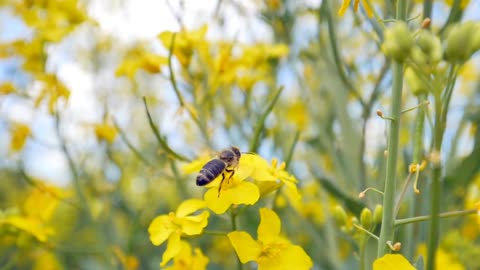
221	182
232	171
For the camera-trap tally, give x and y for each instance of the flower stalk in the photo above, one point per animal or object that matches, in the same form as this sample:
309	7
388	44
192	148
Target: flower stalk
388	219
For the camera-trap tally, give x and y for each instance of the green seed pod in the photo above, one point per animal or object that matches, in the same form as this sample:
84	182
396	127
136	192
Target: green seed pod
459	42
366	218
377	214
340	215
398	41
416	85
430	46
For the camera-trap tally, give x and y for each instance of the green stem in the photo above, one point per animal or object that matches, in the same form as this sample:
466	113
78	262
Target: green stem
441	109
71	164
427	9
388	219
435	190
180	98
336	55
130	145
387	231
255	142
159	138
402	193
404	221
366	231
418	149
218	233
233	219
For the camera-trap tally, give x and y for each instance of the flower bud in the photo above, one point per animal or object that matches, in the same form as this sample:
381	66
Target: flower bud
476	38
416	85
377	214
460	42
398	41
340	215
366	218
430	46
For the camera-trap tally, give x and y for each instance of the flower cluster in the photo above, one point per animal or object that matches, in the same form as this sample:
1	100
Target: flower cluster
253	179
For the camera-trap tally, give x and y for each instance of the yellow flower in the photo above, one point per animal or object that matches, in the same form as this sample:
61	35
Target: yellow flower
270	251
43	201
392	262
356	3
173	225
137	59
20	134
274	174
185	260
37	211
105	132
235	191
52	88
31	225
185	42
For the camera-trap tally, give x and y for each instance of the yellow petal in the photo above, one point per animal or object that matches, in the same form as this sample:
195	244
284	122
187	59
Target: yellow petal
194	225
185	253
160	229
355	5
7	88
243	193
246	165
20	134
368	8
166	38
173	248
261	167
196	165
199	260
344	7
290	257
105	132
31	225
269	228
392	262
189	206
218	204
246	248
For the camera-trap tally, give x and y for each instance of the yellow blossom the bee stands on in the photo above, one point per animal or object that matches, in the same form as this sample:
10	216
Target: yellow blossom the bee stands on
176	224
271	250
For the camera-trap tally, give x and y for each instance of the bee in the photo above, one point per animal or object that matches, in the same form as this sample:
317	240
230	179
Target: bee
226	162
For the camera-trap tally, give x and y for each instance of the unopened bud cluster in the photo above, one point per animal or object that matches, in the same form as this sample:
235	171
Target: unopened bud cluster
398	41
462	41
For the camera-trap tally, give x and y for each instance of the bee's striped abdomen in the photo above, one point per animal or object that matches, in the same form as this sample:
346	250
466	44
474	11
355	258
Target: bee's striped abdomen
210	171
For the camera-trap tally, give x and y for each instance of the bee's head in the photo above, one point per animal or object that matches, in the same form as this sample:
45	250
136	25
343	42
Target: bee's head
230	156
236	151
